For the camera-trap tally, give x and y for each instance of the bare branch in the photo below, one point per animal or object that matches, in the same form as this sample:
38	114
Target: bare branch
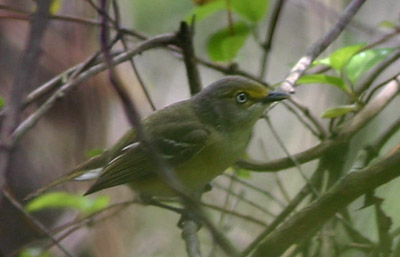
23	82
185	36
270	36
35	222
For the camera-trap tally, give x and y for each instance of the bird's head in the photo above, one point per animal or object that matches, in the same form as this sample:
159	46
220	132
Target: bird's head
235	101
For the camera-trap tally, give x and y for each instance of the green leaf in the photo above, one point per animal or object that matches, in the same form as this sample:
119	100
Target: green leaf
55	6
243	173
339	111
340	57
2	102
325	61
365	60
33	252
253	10
324	79
203	11
94	152
65	200
225	44
387	24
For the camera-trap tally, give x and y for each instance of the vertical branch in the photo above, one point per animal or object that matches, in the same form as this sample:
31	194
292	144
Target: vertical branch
131	62
162	169
185	38
23	81
185	41
270	36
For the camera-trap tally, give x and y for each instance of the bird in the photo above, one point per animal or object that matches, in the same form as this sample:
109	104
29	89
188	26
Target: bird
198	138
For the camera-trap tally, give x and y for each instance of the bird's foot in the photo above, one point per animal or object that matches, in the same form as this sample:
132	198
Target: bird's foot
189	217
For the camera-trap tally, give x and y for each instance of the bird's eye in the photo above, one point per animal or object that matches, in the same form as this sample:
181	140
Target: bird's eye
242	97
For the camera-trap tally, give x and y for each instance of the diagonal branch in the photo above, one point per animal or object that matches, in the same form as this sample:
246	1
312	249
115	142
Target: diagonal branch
303	224
318	47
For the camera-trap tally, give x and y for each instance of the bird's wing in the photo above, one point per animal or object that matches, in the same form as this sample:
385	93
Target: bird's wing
176	144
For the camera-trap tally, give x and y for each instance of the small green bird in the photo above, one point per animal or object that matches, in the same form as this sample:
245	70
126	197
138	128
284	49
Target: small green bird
199	138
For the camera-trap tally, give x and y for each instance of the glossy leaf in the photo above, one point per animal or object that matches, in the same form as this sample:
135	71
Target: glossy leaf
324	79
339	111
253	10
362	62
203	11
1	102
226	43
64	200
340	57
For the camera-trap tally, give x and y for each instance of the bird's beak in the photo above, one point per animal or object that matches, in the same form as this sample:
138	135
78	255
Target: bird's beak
275	96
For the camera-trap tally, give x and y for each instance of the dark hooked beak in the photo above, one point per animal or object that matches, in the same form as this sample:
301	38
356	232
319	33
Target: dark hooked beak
275	96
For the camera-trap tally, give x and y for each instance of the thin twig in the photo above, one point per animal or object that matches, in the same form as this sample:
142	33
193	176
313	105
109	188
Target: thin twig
267	45
235	214
376	71
285	212
282	145
41	228
249	202
317	48
131	61
255	188
32	119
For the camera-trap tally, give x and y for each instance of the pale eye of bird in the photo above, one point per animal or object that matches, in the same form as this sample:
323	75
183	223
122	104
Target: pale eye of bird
242	97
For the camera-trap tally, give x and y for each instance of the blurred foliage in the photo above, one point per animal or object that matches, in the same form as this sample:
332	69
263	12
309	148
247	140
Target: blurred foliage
62	200
34	252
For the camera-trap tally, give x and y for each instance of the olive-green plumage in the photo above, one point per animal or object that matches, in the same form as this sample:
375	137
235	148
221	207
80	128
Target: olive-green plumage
199	138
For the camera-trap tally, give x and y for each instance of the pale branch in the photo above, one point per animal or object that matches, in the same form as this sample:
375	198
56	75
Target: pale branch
388	93
23	82
189	235
317	48
373	74
303	224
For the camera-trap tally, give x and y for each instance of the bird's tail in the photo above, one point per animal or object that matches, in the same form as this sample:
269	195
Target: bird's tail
88	170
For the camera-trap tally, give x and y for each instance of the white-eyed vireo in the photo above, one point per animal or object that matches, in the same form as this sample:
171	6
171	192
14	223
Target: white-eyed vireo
199	138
